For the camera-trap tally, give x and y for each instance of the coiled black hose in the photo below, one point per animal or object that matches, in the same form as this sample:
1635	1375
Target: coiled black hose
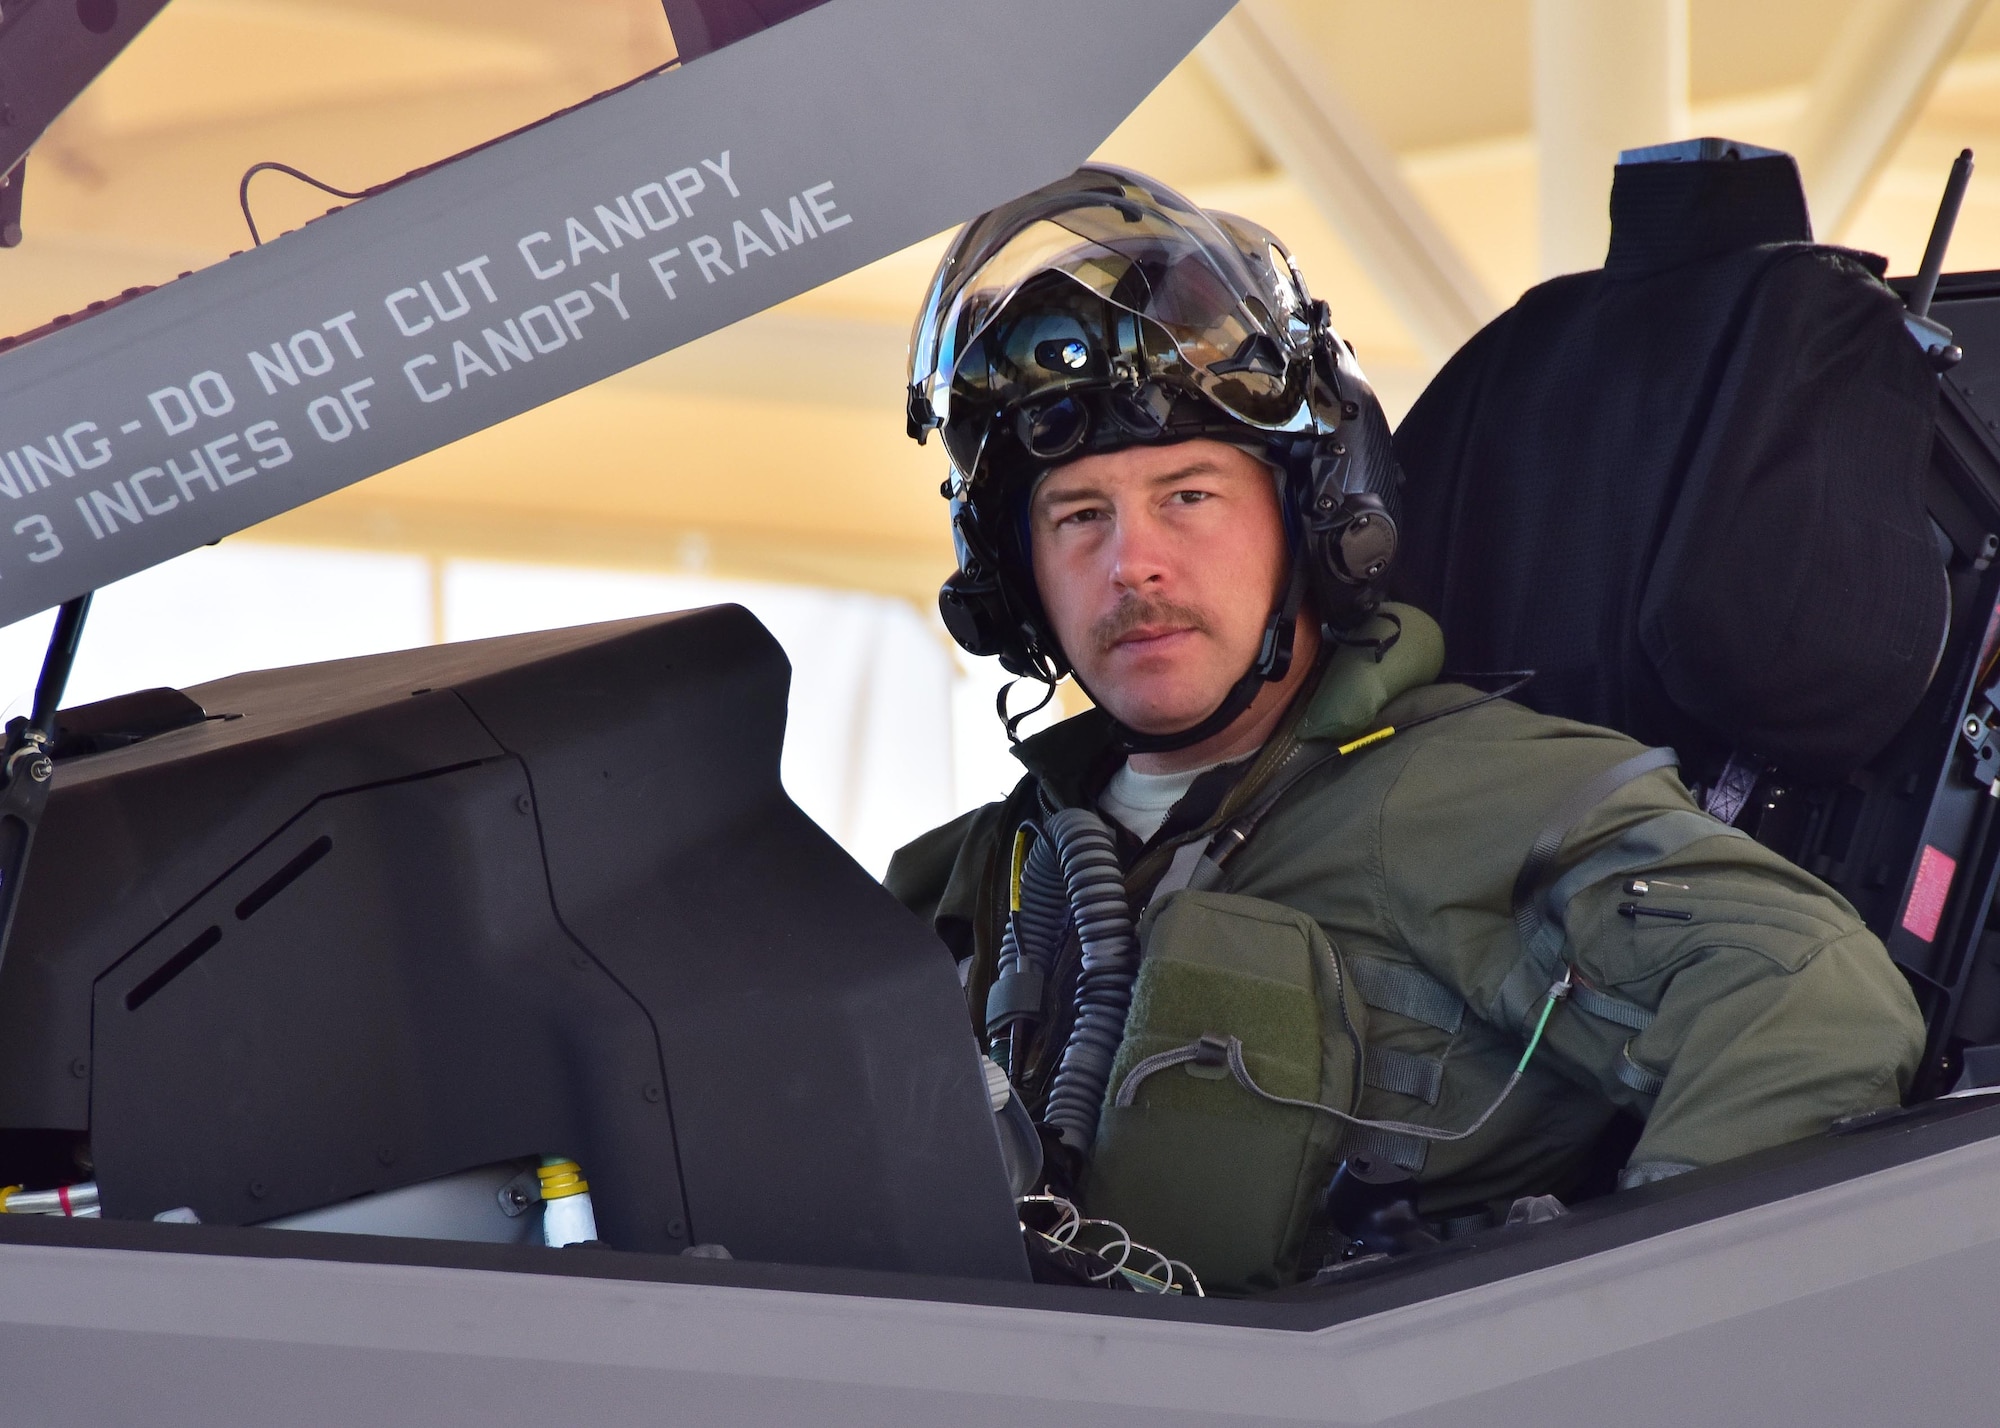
1028	948
1094	883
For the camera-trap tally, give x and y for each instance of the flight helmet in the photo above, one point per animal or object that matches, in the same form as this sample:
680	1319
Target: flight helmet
1107	310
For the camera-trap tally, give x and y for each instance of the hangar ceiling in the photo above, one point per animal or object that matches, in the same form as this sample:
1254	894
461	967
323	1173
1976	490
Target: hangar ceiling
1395	146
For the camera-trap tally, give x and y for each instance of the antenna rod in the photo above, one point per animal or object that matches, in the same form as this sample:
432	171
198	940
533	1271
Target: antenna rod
1947	219
24	777
57	664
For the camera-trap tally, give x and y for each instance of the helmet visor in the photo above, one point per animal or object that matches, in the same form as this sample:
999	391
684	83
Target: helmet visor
1128	288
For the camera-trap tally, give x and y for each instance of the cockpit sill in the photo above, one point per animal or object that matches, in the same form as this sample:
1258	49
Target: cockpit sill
1470	1262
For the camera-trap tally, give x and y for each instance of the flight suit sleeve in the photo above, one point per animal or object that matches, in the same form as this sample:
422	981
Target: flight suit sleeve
920	871
944	877
1745	1006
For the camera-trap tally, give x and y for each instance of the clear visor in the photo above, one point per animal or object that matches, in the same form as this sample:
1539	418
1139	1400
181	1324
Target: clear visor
1219	314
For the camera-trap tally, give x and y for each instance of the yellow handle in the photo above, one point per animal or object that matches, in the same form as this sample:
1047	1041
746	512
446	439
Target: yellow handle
562	1179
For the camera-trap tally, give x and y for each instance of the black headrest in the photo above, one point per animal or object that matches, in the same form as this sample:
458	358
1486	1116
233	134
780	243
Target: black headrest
1667	214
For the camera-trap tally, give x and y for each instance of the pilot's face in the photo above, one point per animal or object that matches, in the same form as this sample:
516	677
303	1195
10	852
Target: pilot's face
1158	566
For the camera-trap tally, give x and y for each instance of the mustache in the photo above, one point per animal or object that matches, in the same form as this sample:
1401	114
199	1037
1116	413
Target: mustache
1133	613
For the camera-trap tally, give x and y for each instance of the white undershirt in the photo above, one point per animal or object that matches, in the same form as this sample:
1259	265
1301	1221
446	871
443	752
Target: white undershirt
1142	801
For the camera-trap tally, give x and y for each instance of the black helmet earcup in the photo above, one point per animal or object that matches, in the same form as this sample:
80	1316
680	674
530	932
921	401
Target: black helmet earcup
1363	543
985	612
975	615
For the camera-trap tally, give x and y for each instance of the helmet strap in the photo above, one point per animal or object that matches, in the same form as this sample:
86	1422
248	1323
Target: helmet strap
1012	722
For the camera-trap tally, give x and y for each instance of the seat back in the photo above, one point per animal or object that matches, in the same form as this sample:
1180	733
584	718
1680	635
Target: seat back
1688	488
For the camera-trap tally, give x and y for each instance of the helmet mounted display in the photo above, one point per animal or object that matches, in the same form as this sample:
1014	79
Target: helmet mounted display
1107	311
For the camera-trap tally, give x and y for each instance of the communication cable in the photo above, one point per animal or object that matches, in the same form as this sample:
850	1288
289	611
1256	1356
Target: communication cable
1228	1051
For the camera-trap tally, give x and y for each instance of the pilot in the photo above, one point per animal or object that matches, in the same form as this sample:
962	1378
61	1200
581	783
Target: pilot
1284	901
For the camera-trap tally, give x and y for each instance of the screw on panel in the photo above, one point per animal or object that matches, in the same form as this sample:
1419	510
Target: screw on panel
518	1195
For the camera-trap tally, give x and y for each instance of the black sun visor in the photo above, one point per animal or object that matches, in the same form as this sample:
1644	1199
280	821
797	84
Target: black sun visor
1132	285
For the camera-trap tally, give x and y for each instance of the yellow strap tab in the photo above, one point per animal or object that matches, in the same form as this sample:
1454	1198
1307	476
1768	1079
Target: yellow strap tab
7	1192
1021	837
1366	739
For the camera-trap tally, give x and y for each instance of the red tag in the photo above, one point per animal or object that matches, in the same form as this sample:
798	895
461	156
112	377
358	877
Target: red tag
1926	905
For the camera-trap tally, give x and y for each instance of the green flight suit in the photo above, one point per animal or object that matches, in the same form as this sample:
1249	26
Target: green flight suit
1766	1014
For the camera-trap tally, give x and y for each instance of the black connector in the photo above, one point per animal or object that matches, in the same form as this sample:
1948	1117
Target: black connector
1635	911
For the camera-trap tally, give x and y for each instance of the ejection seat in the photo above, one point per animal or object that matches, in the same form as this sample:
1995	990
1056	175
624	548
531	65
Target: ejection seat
1725	494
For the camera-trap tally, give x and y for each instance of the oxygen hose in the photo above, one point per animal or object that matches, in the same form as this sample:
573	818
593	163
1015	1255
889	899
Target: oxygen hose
1038	915
1095	884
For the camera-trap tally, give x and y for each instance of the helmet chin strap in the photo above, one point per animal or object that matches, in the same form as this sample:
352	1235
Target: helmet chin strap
1273	663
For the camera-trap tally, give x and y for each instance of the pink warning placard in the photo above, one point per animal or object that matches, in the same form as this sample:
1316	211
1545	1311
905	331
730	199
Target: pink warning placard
1926	905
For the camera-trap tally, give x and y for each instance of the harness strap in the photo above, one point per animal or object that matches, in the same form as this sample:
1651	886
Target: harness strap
1643	1079
1405	1152
1542	852
1386	1069
1183	869
1636	849
1600	1004
1198	864
1644	845
1408	992
1539	913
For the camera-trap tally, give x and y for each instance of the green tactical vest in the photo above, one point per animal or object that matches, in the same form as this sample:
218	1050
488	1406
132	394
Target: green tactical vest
1186	1160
